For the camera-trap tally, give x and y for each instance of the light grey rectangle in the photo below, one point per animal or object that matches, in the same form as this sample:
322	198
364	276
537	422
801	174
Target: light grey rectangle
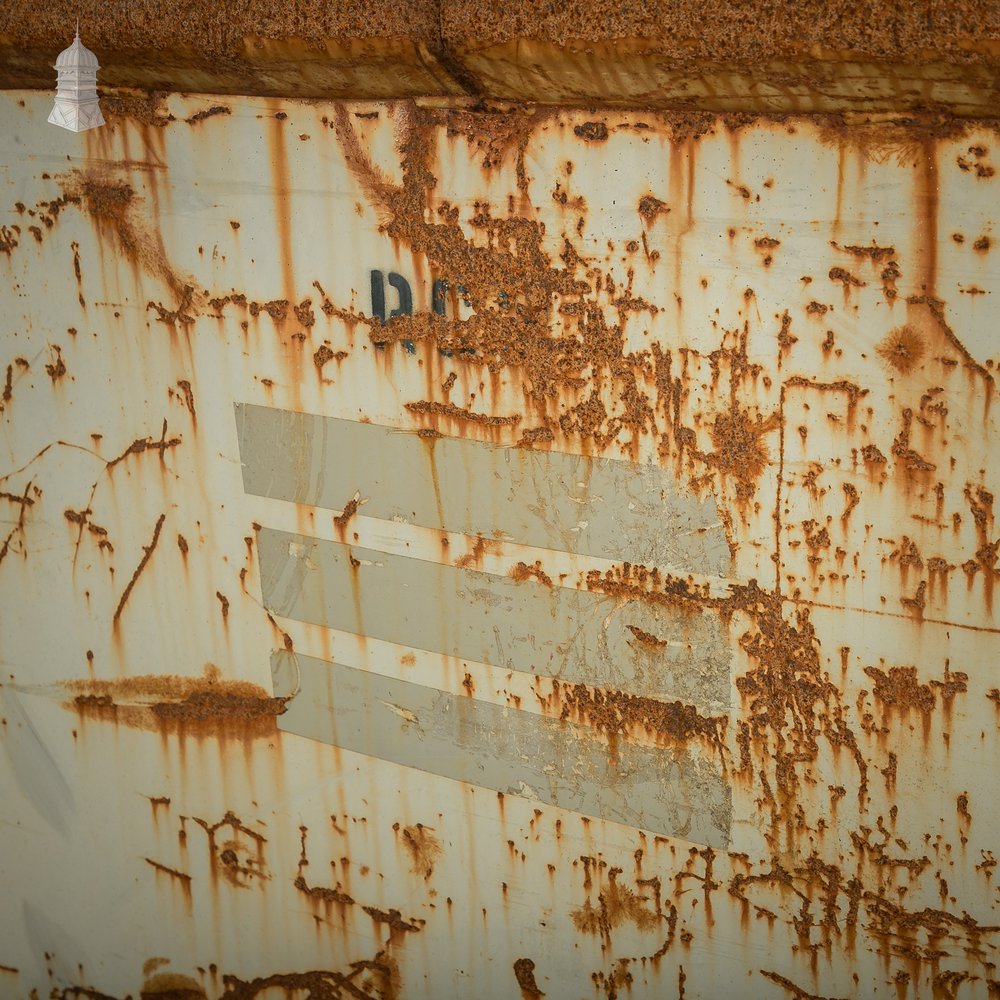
576	636
669	792
592	506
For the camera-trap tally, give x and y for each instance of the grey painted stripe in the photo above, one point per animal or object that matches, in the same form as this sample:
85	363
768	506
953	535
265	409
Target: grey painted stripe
592	506
576	636
667	792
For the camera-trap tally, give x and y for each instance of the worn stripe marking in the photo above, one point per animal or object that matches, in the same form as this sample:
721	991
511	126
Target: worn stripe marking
592	506
669	792
573	635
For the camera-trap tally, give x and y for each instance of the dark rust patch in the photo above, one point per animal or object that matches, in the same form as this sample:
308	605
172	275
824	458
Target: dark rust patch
9	238
215	109
901	449
797	991
325	354
57	368
235	850
591	131
167	870
647	638
852	496
458	413
650	207
350	509
327	895
532	435
113	207
845	277
739	450
393	918
524	973
188	395
615	713
898	689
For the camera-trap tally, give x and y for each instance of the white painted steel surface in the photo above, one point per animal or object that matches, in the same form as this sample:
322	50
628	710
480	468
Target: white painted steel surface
788	324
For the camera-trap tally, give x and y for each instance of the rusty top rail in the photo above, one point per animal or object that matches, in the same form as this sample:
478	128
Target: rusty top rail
747	55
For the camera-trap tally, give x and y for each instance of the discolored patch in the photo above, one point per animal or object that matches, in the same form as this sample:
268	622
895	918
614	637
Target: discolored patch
739	450
424	848
903	349
650	207
171	986
616	905
207	705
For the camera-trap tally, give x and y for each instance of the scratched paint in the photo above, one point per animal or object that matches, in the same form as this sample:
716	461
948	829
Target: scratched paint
765	348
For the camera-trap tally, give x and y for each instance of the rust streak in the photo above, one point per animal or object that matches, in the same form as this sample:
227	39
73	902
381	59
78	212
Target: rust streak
172	872
797	991
147	555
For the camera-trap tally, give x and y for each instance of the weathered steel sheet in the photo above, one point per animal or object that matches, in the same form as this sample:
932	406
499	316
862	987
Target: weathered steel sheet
451	553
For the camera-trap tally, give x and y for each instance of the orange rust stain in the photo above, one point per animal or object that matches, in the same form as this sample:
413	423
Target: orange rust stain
458	413
181	877
200	116
113	207
522	571
197	706
651	207
898	689
171	986
342	519
903	349
616	905
188	394
281	186
423	847
480	548
57	369
616	713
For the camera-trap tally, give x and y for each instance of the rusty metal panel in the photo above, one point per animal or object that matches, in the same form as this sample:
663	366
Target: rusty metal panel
450	553
745	56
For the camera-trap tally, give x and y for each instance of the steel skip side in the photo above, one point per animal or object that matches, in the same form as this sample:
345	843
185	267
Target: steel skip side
538	552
